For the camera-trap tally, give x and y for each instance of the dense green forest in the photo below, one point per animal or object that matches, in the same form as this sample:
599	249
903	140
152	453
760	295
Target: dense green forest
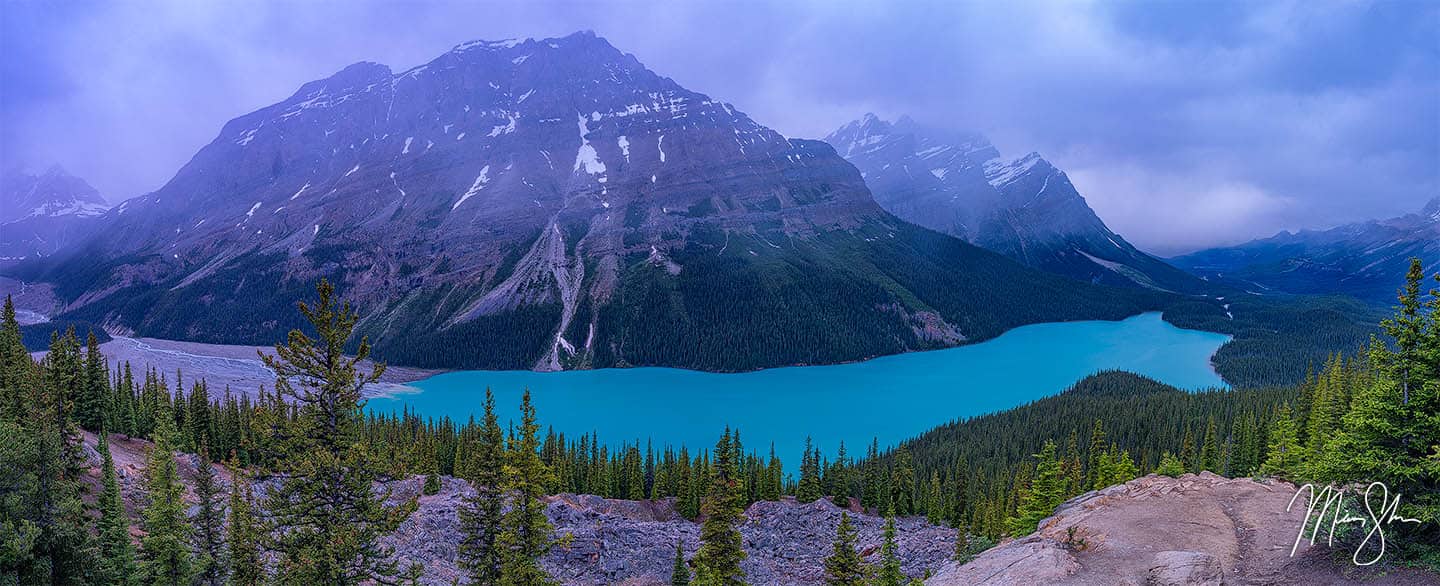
1371	416
1277	339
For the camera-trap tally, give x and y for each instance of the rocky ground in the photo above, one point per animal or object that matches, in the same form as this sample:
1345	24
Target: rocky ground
611	541
1196	529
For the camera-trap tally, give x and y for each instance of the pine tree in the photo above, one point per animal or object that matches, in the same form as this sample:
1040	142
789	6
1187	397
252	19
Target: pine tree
839	477
480	516
1046	492
843	567
872	489
1093	474
1210	449
325	517
902	483
1170	466
771	489
243	533
1283	458
117	552
525	531
680	573
808	490
44	530
890	573
94	388
1187	452
164	551
1391	433
210	563
1124	470
721	551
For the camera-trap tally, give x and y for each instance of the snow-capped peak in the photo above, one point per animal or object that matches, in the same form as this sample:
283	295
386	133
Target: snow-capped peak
1000	173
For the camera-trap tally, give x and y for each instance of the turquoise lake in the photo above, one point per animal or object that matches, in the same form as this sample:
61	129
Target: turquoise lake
891	398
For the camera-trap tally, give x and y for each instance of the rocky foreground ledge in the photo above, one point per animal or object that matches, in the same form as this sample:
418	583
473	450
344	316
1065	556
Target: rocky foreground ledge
1196	529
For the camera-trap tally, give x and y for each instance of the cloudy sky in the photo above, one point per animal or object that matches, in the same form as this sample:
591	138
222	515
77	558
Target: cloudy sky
1185	124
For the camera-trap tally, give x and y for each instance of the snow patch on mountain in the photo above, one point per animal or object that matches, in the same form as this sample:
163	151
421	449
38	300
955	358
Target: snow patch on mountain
586	159
475	187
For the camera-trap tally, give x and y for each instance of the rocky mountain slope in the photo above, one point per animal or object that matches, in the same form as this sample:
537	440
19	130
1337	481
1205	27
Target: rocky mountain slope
1365	259
41	215
543	204
1025	208
1196	529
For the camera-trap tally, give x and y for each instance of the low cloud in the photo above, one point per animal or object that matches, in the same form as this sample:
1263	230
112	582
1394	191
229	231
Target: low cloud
1253	117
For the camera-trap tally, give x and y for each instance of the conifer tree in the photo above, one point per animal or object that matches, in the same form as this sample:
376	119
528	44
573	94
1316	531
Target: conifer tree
1283	458
525	531
1046	492
902	483
325	517
208	525
808	490
118	553
839	477
872	489
680	573
1210	449
843	567
94	388
771	489
164	551
1124	470
1391	433
1187	452
243	533
1093	474
1170	466
721	551
889	573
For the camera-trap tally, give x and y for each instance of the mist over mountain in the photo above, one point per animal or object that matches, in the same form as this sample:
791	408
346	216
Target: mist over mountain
544	204
1363	259
1024	208
41	214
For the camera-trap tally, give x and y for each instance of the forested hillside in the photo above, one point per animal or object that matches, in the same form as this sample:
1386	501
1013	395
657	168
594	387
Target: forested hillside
1278	340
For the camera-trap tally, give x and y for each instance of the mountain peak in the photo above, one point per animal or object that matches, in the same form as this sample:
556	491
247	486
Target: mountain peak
1432	209
52	193
955	182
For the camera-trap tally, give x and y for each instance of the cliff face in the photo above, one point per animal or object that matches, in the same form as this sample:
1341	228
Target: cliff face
1196	529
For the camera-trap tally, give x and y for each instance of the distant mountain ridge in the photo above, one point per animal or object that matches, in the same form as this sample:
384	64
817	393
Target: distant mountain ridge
1025	208
1362	259
42	214
544	204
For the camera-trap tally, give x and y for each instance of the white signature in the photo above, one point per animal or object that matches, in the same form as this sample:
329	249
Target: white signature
1333	501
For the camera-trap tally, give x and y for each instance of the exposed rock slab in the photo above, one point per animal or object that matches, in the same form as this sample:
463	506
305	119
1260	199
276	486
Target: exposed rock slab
1196	529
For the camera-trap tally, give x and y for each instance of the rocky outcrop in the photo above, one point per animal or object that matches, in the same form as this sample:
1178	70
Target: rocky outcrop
604	541
1156	530
610	541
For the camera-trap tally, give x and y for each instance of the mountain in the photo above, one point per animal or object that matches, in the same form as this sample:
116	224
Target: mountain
42	214
957	183
544	204
1366	260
